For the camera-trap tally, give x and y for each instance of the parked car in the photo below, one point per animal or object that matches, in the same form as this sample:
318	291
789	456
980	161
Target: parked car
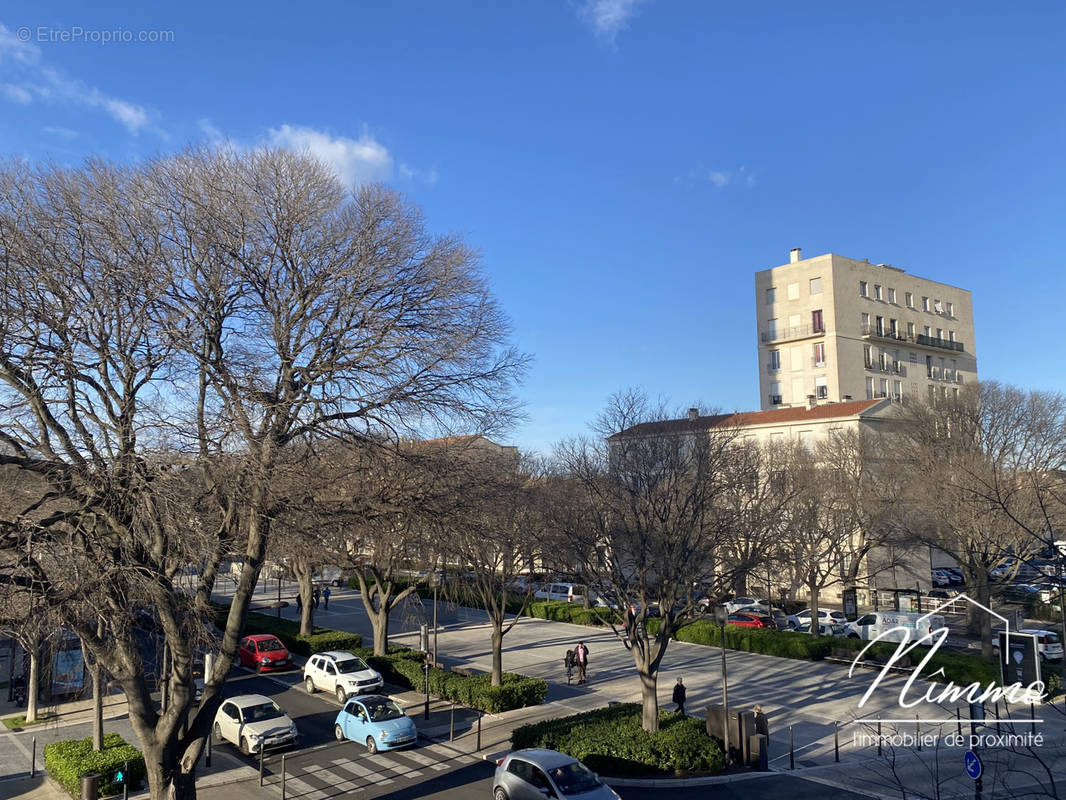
824	615
956	575
941	577
376	721
537	773
343	674
570	592
894	626
1048	644
750	620
253	722
780	619
737	603
1021	593
824	629
334	576
264	651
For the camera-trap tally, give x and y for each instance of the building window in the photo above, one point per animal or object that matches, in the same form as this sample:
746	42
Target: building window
868	356
863	289
821	387
925	304
929	366
879	323
892	329
939	334
897	390
771	296
771	329
805	440
795	355
816	321
927	332
816	285
910	331
882	361
877	291
865	322
775	393
869	388
882	387
951	309
775	360
914	358
909	299
938	307
951	336
819	354
892	295
793	291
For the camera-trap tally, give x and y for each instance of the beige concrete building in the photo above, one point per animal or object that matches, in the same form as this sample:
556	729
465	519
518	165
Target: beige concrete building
833	329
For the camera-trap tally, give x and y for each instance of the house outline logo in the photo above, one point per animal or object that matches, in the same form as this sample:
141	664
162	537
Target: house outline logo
968	599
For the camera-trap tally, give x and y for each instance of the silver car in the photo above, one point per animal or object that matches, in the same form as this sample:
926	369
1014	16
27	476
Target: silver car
536	774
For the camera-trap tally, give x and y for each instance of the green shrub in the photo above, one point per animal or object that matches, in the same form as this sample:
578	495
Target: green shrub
67	761
611	740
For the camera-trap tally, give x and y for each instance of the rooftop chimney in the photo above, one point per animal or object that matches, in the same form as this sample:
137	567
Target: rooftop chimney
693	414
794	255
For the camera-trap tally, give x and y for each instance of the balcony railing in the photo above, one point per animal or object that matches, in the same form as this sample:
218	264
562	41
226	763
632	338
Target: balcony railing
797	332
919	339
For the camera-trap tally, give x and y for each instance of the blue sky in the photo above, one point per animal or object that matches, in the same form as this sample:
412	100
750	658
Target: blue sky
624	166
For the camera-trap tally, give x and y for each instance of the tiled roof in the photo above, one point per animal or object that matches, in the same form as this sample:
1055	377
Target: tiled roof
777	416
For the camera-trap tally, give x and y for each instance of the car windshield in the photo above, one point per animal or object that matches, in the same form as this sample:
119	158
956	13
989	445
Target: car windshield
381	710
261	712
574	778
268	645
351	665
1051	638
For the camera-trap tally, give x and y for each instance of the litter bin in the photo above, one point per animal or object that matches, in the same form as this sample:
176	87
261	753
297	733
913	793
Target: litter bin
88	787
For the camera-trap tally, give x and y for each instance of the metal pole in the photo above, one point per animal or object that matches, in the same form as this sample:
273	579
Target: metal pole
791	751
725	701
451	725
836	742
261	751
33	759
426	668
958	721
878	737
479	730
1032	716
279	594
126	782
283	757
435	661
917	735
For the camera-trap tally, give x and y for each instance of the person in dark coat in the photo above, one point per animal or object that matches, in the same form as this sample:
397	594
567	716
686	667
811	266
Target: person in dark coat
761	724
315	597
581	657
679	696
325	598
299	603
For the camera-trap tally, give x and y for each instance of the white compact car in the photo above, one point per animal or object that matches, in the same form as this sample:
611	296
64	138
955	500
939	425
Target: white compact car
343	674
825	617
254	722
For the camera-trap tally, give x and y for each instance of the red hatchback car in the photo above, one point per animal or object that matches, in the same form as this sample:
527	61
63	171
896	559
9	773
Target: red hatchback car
264	651
749	621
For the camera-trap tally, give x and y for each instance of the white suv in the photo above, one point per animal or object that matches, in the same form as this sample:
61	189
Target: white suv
344	674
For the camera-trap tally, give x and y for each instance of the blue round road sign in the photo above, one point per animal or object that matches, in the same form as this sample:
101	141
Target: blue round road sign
973	765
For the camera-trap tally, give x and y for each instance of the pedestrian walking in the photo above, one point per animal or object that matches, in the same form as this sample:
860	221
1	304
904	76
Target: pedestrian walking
679	697
325	597
299	603
315	597
761	724
581	658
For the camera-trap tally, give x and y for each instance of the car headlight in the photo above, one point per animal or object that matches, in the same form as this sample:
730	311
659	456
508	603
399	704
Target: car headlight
253	737
383	735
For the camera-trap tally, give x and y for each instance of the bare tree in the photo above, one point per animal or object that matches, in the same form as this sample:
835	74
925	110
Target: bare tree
209	310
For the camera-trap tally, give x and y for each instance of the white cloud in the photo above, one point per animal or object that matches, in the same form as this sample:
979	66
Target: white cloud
17	94
48	84
354	160
609	17
718	178
62	133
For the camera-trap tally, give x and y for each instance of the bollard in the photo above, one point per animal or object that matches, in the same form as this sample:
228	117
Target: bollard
89	789
451	725
836	742
1032	717
207	750
283	755
33	759
261	751
791	751
917	735
958	722
996	709
878	737
479	730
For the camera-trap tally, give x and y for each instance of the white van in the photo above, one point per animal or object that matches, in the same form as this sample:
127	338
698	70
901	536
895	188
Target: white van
870	626
570	592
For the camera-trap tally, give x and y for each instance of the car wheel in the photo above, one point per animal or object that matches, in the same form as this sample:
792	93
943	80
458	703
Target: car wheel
310	685
342	695
371	745
218	733
244	746
338	733
499	794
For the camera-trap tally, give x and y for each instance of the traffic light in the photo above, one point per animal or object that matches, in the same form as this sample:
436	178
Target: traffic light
120	775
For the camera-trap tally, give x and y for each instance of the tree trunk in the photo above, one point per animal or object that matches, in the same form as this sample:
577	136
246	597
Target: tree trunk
32	680
98	707
984	594
815	623
497	654
649	697
379	619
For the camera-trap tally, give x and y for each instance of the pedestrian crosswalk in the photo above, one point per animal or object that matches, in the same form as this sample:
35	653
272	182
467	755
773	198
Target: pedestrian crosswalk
348	770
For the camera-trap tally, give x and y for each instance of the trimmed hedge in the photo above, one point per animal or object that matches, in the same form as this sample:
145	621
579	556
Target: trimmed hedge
404	668
611	740
561	611
68	760
321	640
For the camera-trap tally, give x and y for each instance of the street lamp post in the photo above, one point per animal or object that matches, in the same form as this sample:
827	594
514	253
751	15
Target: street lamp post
721	616
436	583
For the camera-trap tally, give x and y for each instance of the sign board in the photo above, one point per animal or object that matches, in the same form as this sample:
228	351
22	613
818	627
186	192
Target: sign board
973	765
68	672
1019	659
850	598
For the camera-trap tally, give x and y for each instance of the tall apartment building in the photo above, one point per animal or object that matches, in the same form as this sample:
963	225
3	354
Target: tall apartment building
833	329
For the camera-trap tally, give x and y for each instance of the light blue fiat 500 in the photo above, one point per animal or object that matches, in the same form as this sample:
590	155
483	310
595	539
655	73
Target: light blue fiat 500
376	721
